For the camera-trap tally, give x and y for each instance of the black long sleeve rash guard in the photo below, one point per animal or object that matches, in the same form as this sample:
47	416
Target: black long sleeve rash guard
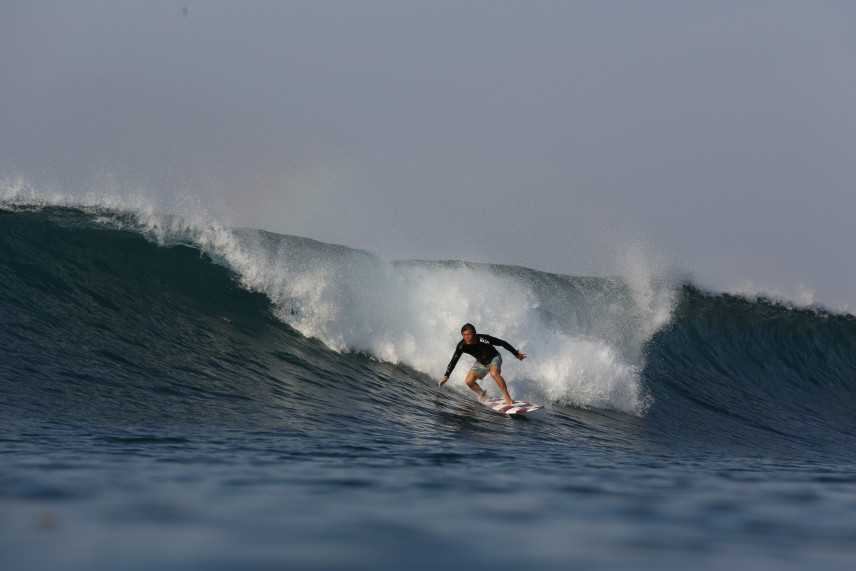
482	350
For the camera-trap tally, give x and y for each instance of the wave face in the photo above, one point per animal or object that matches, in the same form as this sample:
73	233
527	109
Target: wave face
110	314
756	372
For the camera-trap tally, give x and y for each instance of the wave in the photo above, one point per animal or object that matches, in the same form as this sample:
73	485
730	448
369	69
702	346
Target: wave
688	361
584	336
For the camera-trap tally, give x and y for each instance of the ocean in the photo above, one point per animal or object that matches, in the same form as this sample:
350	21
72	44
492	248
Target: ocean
179	394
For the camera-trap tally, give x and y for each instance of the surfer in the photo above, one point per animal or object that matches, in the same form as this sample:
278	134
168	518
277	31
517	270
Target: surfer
487	359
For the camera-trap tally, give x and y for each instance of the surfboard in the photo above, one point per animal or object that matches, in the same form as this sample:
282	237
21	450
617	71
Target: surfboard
517	407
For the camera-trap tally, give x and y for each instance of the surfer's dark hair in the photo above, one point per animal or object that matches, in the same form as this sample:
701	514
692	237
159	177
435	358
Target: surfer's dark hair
468	327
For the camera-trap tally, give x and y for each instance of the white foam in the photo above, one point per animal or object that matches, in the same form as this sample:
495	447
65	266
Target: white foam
412	313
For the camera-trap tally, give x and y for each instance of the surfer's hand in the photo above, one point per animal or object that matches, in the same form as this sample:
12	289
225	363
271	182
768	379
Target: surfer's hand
521	356
443	381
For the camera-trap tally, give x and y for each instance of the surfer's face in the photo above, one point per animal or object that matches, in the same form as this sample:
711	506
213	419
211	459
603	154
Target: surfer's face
469	337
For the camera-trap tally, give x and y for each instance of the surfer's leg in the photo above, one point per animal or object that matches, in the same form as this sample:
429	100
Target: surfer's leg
496	373
472	377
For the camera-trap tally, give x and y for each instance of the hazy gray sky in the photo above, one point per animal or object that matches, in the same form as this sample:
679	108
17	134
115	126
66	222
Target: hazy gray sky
545	134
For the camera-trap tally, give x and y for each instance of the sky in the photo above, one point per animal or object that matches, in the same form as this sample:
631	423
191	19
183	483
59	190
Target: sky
556	135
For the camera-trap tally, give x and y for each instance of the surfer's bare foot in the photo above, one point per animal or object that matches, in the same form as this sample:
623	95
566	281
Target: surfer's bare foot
483	396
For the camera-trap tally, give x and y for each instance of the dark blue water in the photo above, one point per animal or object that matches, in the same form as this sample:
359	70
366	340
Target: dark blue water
142	430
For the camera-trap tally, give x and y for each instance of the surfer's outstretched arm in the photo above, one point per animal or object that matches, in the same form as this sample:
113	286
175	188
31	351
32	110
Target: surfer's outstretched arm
451	367
506	345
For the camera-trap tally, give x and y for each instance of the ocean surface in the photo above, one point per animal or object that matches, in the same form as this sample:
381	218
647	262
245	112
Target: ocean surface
177	394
